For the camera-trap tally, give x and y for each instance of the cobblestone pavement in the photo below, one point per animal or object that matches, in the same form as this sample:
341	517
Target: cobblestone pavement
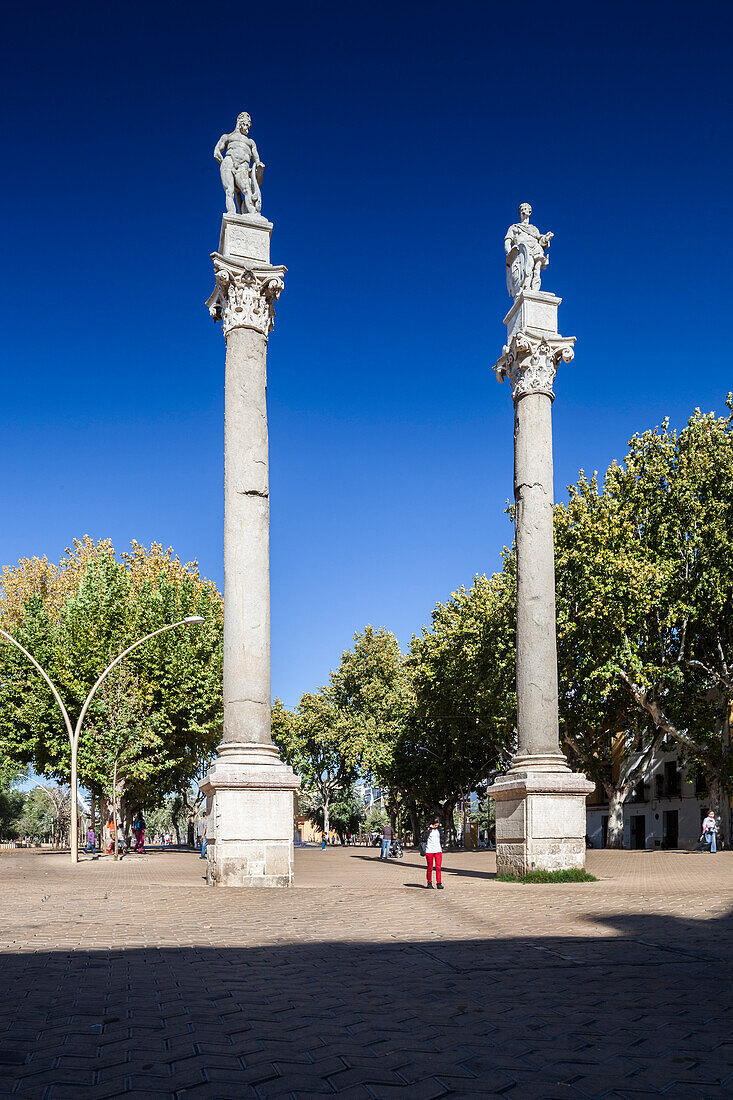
135	979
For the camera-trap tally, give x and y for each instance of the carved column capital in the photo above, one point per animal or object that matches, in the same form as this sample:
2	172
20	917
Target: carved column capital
530	362
244	297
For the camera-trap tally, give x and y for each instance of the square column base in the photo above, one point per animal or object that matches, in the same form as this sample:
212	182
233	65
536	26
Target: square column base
540	821
249	806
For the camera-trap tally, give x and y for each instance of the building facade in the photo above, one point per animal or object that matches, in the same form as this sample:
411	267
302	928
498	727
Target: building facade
664	811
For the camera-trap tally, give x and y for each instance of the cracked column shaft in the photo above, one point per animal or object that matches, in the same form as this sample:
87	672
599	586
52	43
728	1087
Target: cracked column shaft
537	723
246	541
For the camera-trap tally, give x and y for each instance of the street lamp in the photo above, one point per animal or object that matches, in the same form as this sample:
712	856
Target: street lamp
73	732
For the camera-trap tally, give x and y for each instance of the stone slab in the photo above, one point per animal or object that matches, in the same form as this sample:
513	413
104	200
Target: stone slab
534	311
245	236
250	808
540	821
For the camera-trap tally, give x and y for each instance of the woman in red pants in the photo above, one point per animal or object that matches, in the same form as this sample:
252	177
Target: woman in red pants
431	845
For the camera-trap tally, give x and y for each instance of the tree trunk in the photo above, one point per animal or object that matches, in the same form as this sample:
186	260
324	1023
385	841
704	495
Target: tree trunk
190	837
326	818
114	808
615	831
415	825
448	824
718	800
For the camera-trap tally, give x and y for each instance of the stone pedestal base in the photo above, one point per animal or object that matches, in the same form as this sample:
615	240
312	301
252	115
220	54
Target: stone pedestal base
540	820
249	795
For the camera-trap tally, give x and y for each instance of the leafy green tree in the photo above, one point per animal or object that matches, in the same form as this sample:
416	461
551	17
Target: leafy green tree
12	802
345	813
314	740
46	813
463	723
647	604
170	816
127	748
375	819
609	588
372	687
75	618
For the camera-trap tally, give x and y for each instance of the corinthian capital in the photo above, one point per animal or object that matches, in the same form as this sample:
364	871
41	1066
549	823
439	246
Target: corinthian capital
244	297
530	362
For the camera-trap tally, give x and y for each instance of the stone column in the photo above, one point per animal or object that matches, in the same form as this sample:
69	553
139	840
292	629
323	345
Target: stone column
249	790
540	803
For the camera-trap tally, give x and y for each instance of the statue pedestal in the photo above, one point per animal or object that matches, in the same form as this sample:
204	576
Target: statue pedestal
540	820
245	237
249	797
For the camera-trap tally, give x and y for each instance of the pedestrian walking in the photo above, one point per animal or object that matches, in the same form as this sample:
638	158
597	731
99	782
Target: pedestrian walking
323	842
386	841
710	832
204	843
91	843
139	830
431	846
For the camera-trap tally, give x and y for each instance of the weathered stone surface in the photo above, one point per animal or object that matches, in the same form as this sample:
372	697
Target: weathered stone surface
245	236
540	804
533	312
249	790
540	820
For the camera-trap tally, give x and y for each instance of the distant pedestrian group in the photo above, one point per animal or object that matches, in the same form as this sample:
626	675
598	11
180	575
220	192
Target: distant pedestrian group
111	832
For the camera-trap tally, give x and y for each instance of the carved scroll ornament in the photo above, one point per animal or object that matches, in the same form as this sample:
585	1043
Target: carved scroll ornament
244	298
530	362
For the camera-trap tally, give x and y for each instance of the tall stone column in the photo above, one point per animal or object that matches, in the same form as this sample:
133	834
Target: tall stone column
540	803
249	790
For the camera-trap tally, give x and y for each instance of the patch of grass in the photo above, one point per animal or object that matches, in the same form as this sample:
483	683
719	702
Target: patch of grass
572	875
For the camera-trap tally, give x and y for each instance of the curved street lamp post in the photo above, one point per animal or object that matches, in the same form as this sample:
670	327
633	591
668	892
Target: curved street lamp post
74	731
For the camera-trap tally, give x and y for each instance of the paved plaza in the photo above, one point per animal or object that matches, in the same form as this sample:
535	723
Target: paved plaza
137	979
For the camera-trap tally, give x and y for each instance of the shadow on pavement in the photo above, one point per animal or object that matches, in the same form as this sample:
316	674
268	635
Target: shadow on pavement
462	872
642	1010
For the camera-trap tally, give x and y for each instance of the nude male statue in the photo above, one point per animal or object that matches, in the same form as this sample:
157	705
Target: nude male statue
525	253
241	168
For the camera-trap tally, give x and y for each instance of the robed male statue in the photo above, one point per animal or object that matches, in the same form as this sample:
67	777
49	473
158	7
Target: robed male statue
525	253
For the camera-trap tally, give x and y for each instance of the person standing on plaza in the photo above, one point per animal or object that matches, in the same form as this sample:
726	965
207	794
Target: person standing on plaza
431	846
139	830
710	832
91	840
203	841
323	842
386	841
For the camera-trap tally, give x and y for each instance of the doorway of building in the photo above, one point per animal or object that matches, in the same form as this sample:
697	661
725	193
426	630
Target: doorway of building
670	834
638	831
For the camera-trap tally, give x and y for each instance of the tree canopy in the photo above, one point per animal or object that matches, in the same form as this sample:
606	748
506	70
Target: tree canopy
77	616
644	581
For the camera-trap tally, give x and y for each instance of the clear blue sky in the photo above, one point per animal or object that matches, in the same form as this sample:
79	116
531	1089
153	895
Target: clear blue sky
399	139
